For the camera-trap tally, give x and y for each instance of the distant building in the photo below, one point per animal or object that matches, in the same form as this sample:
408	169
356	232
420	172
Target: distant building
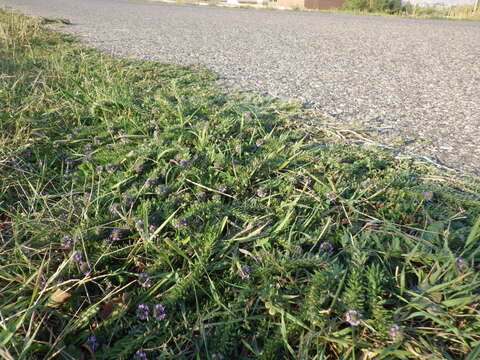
291	4
310	4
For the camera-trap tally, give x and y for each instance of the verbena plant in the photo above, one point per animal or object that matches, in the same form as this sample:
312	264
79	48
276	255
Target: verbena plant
144	213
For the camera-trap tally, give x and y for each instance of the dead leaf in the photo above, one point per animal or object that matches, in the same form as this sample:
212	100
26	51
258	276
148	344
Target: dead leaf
58	298
106	309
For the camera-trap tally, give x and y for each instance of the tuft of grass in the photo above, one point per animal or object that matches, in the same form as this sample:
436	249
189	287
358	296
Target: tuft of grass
144	213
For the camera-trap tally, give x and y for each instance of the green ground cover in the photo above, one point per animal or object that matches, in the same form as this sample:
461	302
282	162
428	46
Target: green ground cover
145	213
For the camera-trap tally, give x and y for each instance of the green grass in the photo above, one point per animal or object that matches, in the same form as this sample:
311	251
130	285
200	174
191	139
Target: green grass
113	168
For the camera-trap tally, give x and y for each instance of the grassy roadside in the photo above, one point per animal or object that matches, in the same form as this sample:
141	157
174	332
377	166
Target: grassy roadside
145	214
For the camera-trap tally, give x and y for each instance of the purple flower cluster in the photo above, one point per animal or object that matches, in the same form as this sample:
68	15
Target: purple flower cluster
115	235
259	143
151	182
140	224
428	196
262	192
67	242
127	201
143	312
395	332
140	355
84	267
78	257
115	209
180	223
331	196
161	190
111	169
184	163
144	280
92	341
159	312
245	272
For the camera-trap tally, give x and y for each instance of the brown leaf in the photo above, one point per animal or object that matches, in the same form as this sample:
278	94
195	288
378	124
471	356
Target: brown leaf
58	298
106	309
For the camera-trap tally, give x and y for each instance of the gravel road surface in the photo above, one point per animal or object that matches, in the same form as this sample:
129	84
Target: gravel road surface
416	82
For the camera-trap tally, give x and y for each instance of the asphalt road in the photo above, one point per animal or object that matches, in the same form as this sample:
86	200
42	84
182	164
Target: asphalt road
416	82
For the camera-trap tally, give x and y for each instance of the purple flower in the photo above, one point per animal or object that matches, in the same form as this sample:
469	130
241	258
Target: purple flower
161	190
138	168
223	188
326	247
128	201
462	265
185	163
159	312
156	133
180	223
245	273
140	225
143	312
259	143
78	257
67	242
353	317
366	184
331	196
115	235
261	192
151	182
92	341
144	280
115	209
395	332
111	169
141	355
428	196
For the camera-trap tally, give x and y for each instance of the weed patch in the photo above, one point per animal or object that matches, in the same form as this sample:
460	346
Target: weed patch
146	214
